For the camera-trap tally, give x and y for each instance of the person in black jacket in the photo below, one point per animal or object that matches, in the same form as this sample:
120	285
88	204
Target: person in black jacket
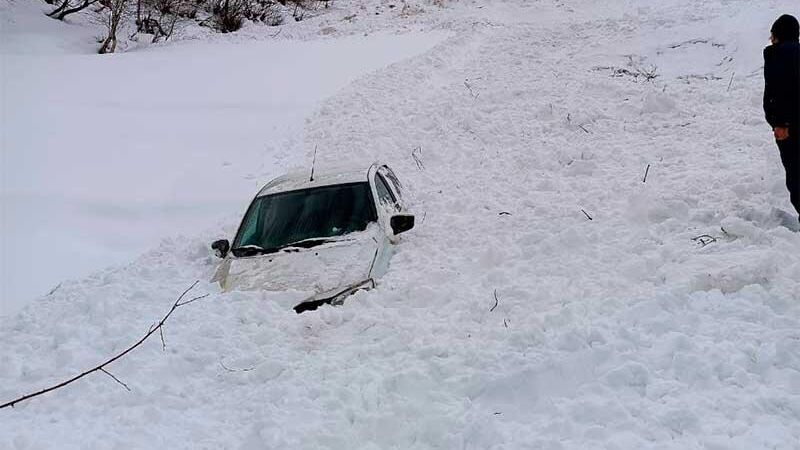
782	98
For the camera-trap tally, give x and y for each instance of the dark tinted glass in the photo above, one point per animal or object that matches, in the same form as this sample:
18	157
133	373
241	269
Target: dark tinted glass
392	178
385	196
280	219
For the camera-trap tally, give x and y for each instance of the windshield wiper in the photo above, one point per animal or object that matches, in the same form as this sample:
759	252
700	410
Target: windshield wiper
307	243
252	250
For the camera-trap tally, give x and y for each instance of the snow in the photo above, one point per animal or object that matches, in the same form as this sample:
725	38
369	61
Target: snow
142	145
507	318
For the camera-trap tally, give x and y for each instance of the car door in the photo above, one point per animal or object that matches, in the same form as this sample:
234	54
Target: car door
386	204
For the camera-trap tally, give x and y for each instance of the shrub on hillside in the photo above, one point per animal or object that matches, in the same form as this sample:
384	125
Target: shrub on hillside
229	15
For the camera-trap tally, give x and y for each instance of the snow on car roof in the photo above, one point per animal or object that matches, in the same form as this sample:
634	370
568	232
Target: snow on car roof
295	180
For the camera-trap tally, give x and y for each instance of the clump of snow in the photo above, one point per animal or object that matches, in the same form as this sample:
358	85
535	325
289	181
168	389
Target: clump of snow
658	102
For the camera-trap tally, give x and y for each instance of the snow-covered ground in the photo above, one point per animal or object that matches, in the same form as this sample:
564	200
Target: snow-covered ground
104	156
507	319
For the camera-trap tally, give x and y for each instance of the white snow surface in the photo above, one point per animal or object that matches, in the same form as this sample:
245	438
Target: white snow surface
507	319
104	156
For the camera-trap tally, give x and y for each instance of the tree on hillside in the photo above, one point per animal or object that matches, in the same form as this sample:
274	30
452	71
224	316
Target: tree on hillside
159	17
67	7
113	14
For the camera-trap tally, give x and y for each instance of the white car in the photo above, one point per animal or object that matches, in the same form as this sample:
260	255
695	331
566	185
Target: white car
330	233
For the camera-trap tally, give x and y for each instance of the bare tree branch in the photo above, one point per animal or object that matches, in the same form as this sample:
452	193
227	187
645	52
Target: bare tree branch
246	369
101	367
163	344
63	11
115	379
193	300
53	291
496	301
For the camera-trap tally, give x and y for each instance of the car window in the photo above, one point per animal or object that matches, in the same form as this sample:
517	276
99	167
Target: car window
279	219
385	195
392	179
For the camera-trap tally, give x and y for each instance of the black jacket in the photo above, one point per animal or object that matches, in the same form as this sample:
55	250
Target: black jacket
782	84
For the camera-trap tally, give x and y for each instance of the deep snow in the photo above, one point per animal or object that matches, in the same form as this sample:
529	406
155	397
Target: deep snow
104	156
616	332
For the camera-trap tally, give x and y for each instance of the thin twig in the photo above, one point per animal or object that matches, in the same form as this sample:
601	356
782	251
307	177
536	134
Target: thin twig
730	82
101	366
584	129
417	158
53	291
163	343
115	378
193	300
646	171
587	215
496	301
248	369
469	88
313	163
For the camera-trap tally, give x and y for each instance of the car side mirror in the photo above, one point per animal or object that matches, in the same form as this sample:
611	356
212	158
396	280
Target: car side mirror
401	223
221	248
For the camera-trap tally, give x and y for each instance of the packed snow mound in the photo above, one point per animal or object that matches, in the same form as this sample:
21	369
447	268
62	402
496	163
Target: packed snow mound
551	296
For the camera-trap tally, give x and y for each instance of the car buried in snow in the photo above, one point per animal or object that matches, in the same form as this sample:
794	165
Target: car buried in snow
331	233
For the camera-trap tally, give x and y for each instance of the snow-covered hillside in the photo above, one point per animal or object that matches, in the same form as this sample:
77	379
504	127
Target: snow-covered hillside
508	319
105	156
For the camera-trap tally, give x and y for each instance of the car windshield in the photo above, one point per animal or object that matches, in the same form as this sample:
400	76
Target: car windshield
273	221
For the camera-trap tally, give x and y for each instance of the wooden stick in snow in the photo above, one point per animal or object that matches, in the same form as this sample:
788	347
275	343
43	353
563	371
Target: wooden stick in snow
101	367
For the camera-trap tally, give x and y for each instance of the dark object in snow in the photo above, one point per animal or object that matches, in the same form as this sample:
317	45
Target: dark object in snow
782	98
221	247
704	239
496	301
336	299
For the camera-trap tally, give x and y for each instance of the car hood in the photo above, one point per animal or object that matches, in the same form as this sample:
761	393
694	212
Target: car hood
319	270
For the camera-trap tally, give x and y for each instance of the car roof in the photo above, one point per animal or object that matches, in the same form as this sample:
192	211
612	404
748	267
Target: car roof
296	180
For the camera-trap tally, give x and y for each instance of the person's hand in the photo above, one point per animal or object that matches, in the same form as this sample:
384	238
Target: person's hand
781	133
